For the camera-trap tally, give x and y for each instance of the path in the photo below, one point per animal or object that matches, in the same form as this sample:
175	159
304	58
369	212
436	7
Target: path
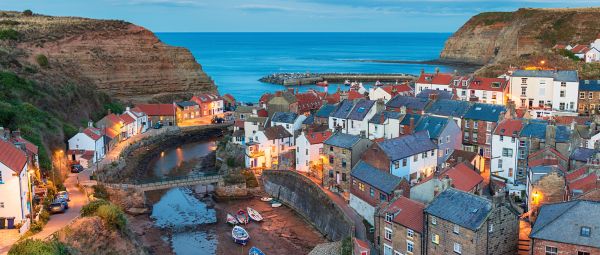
524	241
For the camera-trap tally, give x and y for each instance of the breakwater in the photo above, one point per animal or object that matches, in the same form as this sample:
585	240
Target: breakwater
292	79
308	200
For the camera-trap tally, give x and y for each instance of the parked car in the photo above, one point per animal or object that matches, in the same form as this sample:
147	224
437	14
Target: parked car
63	195
57	207
63	201
158	125
76	168
218	120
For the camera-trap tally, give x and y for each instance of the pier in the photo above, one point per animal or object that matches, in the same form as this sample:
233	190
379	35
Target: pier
293	79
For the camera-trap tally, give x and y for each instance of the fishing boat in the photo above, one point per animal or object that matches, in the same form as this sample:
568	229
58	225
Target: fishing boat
231	220
240	235
275	204
266	199
347	82
242	217
322	84
255	251
254	215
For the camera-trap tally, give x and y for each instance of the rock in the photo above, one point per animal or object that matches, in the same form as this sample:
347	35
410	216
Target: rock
135	211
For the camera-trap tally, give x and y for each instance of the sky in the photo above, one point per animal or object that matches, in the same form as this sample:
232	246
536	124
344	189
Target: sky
286	15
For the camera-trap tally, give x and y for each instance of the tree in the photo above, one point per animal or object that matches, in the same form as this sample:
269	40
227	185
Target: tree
42	60
27	12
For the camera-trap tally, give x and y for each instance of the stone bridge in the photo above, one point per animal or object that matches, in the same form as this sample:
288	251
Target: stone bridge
191	180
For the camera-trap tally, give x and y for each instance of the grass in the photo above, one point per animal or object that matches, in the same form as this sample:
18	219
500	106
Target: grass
38	247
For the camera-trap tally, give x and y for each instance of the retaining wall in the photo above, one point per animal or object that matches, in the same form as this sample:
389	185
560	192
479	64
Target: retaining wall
308	200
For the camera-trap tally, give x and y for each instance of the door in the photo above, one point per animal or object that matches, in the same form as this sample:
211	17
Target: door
338	177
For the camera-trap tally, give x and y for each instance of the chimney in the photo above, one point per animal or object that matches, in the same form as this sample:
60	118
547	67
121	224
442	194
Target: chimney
411	126
398	193
2	133
433	95
551	135
403	109
90	123
16	134
127	108
380	106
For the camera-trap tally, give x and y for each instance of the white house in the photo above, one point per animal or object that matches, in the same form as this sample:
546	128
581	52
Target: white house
386	92
592	55
14	183
291	121
480	89
505	145
434	81
385	125
352	117
545	89
267	146
309	148
252	125
141	120
90	139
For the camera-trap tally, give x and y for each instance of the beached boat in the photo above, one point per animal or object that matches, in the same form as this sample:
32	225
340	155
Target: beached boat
231	220
347	82
254	215
323	84
242	217
240	235
255	251
275	204
266	199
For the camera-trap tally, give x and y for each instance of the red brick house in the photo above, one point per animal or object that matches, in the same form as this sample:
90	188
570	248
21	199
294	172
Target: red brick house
399	227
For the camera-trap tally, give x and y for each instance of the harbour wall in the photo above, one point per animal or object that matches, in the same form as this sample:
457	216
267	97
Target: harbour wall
292	79
308	200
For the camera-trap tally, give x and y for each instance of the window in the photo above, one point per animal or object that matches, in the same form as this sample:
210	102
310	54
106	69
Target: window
344	163
582	253
447	138
457	248
447	151
1	181
397	253
510	172
523	91
591	95
581	95
456	229
410	233
397	164
488	138
409	246
361	186
506	152
387	250
501	138
330	159
475	124
541	103
389	217
306	151
491	228
467	124
371	192
343	176
433	220
404	162
424	155
562	93
585	231
382	197
563	84
551	250
416	157
435	239
561	106
330	148
1	204
388	233
523	81
432	153
499	163
331	176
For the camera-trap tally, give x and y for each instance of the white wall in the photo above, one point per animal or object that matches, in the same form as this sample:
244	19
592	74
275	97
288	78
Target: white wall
508	162
546	89
363	208
83	142
13	192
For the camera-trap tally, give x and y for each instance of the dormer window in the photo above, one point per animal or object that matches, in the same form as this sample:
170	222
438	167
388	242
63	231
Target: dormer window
585	231
495	84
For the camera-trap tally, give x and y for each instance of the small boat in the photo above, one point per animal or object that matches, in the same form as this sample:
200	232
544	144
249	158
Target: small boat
240	235
323	84
378	83
254	215
347	82
242	217
232	220
275	204
255	251
266	199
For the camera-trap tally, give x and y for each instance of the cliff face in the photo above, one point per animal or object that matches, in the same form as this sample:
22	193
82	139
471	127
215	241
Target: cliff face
496	36
119	58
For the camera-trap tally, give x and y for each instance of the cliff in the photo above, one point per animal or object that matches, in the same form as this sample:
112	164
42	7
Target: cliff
493	37
116	57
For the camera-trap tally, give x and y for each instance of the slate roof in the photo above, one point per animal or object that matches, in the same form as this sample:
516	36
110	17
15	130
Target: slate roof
408	145
446	107
381	117
563	134
186	104
536	129
485	112
589	85
407	212
309	120
441	94
342	109
276	132
342	140
582	154
433	125
406	120
284	117
561	75
374	177
12	157
360	110
464	209
562	222
243	109
325	110
414	103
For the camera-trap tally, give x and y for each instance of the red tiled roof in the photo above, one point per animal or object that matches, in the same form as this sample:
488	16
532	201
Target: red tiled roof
12	157
585	184
262	113
308	101
317	137
114	118
440	78
239	123
157	109
127	119
229	97
111	133
567	120
333	98
93	133
353	94
480	83
396	89
509	127
574	175
579	49
361	243
408	213
265	98
463	177
28	145
206	98
559	47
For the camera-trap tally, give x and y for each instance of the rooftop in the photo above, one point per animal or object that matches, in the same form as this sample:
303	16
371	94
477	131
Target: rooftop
343	109
186	104
276	132
561	75
589	85
447	107
433	125
381	117
463	176
485	112
413	103
284	117
509	127
435	78
342	140
407	212
325	110
318	137
360	110
378	179
406	146
582	154
464	209
12	157
439	94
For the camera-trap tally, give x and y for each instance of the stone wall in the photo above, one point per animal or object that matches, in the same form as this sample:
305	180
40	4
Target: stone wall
308	200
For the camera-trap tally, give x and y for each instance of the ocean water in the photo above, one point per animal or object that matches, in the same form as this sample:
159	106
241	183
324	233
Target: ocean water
235	61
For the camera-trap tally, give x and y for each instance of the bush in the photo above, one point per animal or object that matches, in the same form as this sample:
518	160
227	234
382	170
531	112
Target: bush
9	34
91	208
36	227
346	246
27	12
231	162
112	216
100	192
38	247
42	60
251	181
114	107
44	216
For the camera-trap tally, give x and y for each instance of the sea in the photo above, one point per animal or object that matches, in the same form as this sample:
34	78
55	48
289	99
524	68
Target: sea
235	61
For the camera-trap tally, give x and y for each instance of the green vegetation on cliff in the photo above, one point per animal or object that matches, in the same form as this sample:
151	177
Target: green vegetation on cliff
39	247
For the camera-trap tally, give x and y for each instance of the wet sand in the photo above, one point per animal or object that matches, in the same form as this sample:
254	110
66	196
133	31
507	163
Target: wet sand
281	232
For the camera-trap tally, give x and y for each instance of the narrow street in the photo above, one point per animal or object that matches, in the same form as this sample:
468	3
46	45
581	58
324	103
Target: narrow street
524	241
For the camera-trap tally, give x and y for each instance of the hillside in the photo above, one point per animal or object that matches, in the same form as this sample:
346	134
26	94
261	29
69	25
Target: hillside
493	37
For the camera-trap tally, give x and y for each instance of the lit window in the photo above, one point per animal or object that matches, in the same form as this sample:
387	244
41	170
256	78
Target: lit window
433	220
435	239
361	186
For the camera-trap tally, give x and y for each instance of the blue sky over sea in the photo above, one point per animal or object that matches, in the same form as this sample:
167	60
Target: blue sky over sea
289	15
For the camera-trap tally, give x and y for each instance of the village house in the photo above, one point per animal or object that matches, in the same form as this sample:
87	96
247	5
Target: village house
411	157
321	117
308	102
478	125
209	104
408	104
140	124
15	186
387	92
229	103
408	122
583	181
505	151
458	222
370	187
482	90
449	108
579	50
581	156
158	113
444	132
30	149
384	125
545	89
343	151
265	151
545	184
567	228
434	81
252	125
238	136
87	144
309	151
282	101
114	130
352	116
592	55
187	110
291	121
589	97
399	227
459	156
462	177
